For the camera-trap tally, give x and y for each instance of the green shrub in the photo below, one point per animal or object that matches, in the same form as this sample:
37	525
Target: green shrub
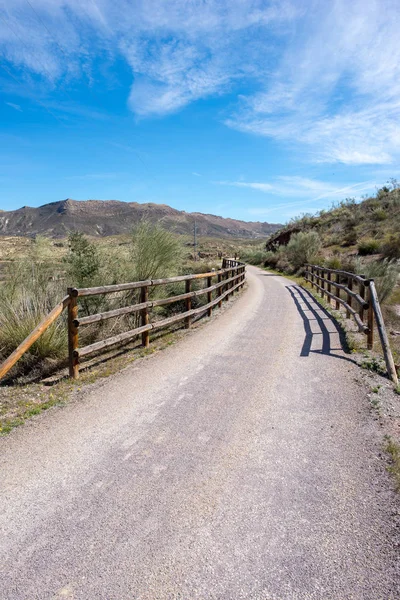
271	259
368	246
350	238
391	246
379	214
303	248
156	253
28	294
82	261
385	273
334	263
18	320
256	258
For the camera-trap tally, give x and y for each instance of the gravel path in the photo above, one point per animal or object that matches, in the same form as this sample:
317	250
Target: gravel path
242	463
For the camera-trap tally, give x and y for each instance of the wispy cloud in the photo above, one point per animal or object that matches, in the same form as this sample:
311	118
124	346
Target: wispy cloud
310	190
321	76
178	51
337	87
15	106
94	176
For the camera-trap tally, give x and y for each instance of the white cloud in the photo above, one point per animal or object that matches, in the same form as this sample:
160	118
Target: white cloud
310	190
325	76
337	87
94	176
178	51
15	106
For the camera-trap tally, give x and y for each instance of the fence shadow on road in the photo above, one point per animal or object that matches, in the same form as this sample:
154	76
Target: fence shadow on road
313	314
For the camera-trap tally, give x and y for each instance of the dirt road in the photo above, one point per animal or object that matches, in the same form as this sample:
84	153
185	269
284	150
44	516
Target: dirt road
241	463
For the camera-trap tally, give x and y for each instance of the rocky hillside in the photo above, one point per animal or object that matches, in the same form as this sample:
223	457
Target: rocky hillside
353	228
111	217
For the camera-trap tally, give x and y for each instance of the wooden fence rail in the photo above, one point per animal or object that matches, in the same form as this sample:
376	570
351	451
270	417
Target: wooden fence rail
361	303
229	279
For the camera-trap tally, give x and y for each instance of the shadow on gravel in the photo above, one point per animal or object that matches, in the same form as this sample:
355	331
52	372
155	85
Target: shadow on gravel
312	312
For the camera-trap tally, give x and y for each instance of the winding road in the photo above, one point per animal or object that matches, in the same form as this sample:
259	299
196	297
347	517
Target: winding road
240	463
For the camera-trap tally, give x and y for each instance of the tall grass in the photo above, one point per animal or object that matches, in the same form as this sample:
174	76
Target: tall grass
34	285
385	273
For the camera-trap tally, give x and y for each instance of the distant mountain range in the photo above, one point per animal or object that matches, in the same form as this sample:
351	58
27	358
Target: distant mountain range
112	217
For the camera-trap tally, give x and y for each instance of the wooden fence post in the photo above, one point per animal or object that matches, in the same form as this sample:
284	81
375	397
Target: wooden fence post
329	277
370	334
188	286
350	286
387	353
337	303
209	296
219	290
226	286
73	337
361	290
322	282
144	297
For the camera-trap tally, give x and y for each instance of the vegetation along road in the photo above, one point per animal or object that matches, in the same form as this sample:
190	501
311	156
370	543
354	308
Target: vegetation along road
240	463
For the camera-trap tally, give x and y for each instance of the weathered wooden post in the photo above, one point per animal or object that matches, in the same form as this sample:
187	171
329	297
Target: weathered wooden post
188	286
337	303
219	289
370	323
348	300
144	297
329	277
322	282
226	286
73	337
361	289
209	296
387	353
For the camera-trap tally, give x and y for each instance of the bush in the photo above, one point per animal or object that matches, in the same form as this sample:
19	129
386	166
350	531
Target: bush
334	263
28	294
368	246
254	256
19	319
303	248
156	252
385	273
391	247
82	261
350	238
379	214
271	259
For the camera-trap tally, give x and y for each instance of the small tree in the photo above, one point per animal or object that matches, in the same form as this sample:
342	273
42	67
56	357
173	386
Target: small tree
303	247
83	262
156	252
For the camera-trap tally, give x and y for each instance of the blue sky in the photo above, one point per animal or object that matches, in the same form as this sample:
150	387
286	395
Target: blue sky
245	108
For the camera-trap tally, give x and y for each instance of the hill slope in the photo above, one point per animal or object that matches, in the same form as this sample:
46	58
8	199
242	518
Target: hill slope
112	217
350	228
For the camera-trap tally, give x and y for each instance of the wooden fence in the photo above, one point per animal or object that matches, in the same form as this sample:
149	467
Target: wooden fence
358	296
229	279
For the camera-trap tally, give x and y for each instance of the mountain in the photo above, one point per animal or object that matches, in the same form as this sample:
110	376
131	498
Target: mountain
112	217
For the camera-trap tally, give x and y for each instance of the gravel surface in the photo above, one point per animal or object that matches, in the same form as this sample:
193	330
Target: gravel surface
242	463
